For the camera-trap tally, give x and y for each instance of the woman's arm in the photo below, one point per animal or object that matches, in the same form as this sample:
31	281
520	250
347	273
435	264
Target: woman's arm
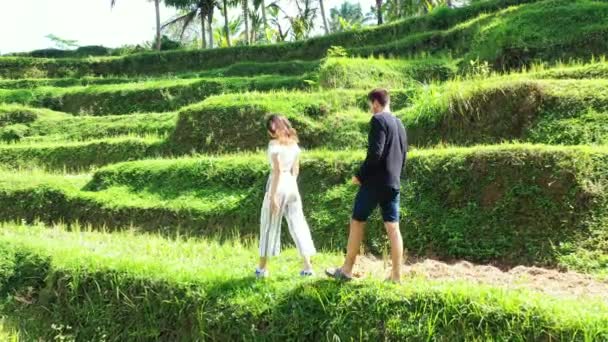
276	174
295	170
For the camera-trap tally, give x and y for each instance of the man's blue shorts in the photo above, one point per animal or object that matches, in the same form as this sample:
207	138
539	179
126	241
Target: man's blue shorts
369	197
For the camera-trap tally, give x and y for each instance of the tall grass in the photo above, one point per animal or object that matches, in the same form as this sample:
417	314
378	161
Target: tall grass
148	287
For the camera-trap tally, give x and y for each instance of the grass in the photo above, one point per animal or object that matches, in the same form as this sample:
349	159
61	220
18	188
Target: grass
511	204
150	96
147	287
363	73
184	61
243	69
507	37
30	125
517	107
500	108
168	248
80	155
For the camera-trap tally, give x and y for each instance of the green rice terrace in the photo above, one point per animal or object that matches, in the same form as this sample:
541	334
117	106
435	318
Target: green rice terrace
131	186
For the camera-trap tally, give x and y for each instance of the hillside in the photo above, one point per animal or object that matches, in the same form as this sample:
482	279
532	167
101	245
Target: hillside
130	187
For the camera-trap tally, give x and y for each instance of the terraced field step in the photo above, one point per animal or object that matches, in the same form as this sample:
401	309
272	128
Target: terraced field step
457	112
479	32
514	204
244	69
75	156
147	287
156	95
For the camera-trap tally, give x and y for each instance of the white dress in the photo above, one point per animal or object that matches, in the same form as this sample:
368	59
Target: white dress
290	206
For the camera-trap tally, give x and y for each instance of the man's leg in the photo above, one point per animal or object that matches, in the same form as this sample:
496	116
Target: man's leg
390	214
364	204
394	235
355	237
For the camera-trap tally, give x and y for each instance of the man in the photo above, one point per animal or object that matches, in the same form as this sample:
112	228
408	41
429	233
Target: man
379	184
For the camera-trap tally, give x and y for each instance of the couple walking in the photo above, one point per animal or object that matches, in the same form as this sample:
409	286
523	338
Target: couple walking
378	179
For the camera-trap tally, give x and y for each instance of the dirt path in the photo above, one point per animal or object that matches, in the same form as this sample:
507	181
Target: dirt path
549	281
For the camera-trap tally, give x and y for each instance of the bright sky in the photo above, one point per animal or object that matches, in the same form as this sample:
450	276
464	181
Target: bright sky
25	23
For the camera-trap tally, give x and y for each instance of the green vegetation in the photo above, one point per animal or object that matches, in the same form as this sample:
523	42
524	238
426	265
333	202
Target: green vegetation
504	108
463	112
78	156
482	204
236	121
486	30
180	289
153	96
42	125
159	156
244	69
362	73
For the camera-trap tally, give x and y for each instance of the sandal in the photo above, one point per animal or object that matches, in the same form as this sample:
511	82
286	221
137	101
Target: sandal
391	281
307	273
338	274
261	273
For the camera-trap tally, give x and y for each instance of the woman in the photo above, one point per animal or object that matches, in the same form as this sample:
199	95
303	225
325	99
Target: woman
282	198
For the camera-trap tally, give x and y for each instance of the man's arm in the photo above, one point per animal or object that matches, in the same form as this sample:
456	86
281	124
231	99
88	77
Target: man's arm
404	146
375	149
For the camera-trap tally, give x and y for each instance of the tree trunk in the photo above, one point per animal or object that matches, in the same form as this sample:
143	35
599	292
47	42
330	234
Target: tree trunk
246	19
396	8
157	5
379	11
265	22
226	24
449	3
210	21
203	32
322	8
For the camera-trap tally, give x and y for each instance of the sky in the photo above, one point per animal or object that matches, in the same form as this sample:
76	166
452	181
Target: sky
25	23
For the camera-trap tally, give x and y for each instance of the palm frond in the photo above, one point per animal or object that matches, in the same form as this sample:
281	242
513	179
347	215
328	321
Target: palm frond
185	19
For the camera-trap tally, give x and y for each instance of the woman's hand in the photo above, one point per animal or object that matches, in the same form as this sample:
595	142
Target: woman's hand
274	205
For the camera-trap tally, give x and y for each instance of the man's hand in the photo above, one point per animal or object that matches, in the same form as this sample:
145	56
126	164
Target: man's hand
356	181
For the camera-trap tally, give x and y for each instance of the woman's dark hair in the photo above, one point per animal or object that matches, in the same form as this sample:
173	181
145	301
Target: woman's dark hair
277	124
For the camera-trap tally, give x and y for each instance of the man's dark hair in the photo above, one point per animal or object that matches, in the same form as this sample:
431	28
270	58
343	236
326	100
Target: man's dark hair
380	95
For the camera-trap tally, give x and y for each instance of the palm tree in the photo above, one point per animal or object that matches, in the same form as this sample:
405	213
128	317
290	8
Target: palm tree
379	12
233	29
303	23
245	4
261	4
208	7
322	9
201	8
158	27
347	16
226	22
275	11
257	26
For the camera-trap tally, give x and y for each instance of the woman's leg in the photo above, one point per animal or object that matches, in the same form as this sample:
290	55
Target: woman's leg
263	262
299	230
270	232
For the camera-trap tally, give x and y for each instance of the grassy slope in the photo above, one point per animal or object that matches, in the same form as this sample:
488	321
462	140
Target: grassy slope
504	108
506	38
242	69
27	125
193	294
80	156
514	204
180	61
509	204
464	112
151	96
